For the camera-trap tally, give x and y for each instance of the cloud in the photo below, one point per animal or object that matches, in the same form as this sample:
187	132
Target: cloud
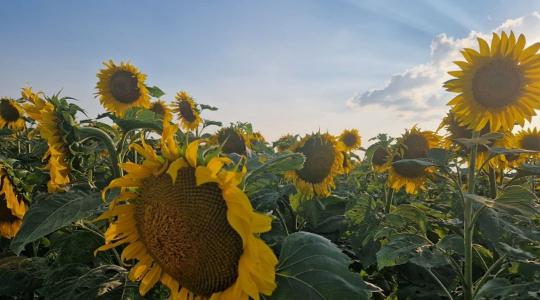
417	93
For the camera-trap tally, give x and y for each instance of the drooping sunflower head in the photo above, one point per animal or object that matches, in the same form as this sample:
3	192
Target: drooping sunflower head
350	139
496	85
232	140
11	115
50	114
121	87
348	163
162	109
285	142
12	206
256	137
324	160
414	144
187	111
190	227
380	159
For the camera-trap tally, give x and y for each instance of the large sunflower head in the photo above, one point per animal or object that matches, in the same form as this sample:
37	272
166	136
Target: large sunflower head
414	144
188	113
12	206
162	109
11	115
497	85
232	140
379	160
350	139
324	160
121	87
190	226
285	142
49	123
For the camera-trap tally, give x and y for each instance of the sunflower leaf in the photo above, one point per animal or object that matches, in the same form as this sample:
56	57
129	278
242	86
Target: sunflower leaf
311	267
53	212
209	107
154	91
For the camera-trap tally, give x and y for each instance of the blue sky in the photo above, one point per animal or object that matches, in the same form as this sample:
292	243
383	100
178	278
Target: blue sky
285	66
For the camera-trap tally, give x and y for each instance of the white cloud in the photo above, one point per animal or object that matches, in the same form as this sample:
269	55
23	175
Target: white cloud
417	93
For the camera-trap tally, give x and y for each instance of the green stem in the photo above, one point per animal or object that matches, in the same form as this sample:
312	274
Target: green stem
485	277
467	223
389	198
106	139
492	183
440	283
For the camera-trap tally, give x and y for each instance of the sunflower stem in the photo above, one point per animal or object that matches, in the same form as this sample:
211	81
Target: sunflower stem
492	183
106	139
389	198
467	222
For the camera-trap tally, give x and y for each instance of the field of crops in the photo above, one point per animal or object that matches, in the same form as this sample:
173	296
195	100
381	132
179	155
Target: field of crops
152	200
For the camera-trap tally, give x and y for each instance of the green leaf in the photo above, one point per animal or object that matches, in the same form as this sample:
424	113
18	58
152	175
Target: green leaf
137	118
439	156
411	163
20	275
484	140
154	91
412	214
209	107
517	200
53	212
311	267
501	288
400	250
277	165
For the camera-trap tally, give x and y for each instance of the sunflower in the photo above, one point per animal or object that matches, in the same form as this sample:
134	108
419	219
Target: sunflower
324	160
121	87
11	115
350	139
162	109
285	142
188	113
189	226
232	140
379	159
12	207
414	144
348	163
526	140
256	137
44	113
498	85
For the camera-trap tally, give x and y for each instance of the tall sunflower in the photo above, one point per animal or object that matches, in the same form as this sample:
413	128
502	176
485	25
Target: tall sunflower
350	139
497	85
379	160
190	226
324	160
12	207
414	144
44	113
11	115
187	110
121	87
232	140
162	109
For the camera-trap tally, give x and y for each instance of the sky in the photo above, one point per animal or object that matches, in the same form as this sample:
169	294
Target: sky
285	66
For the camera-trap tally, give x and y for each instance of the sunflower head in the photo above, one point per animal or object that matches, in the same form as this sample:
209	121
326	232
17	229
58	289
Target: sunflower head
350	139
11	115
232	140
12	206
414	144
161	108
54	117
190	226
256	137
285	142
188	113
121	87
380	159
497	85
324	160
527	140
348	163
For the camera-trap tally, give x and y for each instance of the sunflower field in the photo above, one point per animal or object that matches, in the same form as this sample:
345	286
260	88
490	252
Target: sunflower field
152	200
